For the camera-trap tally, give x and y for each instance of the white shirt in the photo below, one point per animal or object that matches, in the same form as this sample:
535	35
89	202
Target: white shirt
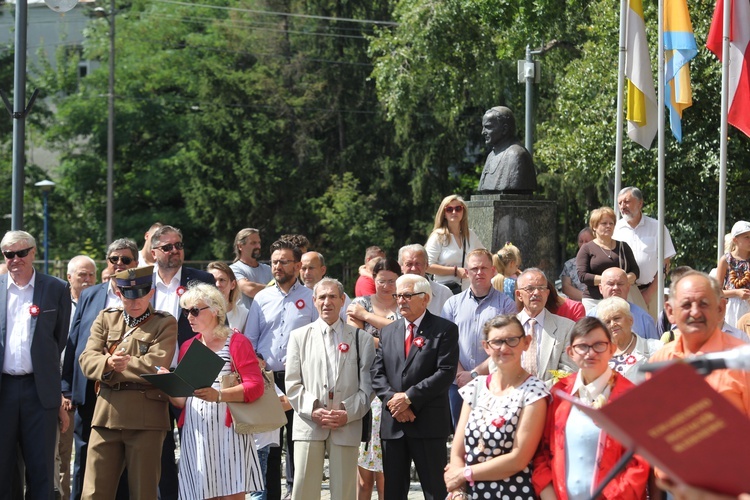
642	239
450	255
166	298
112	299
524	318
416	323
18	327
589	392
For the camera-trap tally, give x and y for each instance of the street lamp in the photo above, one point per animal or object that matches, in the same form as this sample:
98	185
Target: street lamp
110	16
46	187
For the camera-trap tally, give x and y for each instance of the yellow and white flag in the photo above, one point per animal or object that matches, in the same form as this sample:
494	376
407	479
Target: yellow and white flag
641	110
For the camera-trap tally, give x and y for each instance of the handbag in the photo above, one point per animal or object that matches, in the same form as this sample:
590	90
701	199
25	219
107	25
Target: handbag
262	415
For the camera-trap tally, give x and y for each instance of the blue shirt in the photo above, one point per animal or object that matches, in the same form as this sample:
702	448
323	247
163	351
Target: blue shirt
273	315
470	315
643	323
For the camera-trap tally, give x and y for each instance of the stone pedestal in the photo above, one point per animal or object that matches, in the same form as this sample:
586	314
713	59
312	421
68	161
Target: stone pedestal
529	224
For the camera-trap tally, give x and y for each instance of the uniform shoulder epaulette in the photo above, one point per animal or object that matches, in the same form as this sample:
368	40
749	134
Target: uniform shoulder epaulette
113	309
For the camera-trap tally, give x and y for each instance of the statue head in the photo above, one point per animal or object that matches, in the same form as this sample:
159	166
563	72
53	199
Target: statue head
498	124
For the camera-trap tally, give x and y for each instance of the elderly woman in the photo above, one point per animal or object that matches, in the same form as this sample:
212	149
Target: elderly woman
215	461
449	243
226	282
575	455
631	350
501	421
371	313
602	253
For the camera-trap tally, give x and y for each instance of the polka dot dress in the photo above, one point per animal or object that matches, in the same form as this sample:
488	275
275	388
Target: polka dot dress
491	430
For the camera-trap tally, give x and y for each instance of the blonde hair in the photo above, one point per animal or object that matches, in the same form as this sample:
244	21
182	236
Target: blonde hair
234	294
598	214
212	297
509	253
441	224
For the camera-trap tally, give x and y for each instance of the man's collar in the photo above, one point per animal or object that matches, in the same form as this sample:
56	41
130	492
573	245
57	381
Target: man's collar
31	282
337	326
291	289
539	318
177	276
713	344
480	297
249	264
417	321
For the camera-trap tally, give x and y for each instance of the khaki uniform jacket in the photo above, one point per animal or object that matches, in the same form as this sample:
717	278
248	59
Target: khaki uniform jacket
151	344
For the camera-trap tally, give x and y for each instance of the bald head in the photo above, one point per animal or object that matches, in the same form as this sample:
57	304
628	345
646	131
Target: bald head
313	268
614	283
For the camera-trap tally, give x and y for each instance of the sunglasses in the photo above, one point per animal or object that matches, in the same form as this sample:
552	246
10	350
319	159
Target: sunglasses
193	311
120	258
458	209
169	246
20	253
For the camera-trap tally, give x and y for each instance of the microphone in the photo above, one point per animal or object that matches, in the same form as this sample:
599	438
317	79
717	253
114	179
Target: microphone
734	359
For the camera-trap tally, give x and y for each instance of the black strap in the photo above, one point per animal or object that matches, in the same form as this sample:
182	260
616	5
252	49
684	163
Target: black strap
356	346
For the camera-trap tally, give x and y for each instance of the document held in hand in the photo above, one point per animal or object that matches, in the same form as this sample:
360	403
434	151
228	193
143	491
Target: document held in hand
681	425
198	368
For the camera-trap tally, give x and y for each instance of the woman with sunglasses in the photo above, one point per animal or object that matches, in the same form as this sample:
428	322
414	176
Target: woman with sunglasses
501	422
215	461
575	455
371	313
449	243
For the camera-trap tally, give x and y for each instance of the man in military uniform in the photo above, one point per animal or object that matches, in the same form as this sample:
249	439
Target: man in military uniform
131	417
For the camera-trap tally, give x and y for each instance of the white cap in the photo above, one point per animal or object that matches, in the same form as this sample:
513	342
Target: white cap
740	227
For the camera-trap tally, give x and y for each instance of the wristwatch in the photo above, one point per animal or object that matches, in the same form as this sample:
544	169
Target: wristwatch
406	398
474	374
468	475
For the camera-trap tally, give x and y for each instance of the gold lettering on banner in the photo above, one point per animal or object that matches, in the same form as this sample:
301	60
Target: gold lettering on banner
680	418
699	436
689	427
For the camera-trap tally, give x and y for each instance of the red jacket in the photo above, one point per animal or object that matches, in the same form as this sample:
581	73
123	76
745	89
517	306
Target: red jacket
243	358
549	461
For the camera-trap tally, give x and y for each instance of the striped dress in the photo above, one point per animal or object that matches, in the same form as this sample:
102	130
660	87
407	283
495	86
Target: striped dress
214	460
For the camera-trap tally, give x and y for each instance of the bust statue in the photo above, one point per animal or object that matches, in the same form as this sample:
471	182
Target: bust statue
509	168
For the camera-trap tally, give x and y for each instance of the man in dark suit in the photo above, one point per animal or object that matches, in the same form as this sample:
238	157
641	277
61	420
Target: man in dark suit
413	369
121	254
171	280
34	321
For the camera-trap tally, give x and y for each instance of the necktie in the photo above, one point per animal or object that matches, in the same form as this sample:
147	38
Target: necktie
531	364
409	339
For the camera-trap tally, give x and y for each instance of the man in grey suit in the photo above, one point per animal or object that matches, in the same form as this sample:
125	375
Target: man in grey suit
34	320
328	384
122	254
550	332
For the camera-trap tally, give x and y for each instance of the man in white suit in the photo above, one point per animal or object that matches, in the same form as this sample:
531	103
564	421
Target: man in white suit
328	384
550	332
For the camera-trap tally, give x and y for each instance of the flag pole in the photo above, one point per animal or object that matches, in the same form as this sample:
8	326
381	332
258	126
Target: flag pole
620	98
660	174
724	128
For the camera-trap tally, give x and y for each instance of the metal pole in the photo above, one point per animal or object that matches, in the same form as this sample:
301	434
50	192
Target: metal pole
724	129
19	118
111	128
529	74
46	232
620	94
661	165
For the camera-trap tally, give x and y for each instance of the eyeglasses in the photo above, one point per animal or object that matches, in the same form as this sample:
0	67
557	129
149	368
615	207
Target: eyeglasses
385	282
281	262
458	209
405	296
169	246
20	253
532	289
194	311
496	344
598	347
120	258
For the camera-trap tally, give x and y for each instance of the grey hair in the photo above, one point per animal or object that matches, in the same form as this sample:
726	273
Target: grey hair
328	281
613	305
76	261
414	248
637	194
123	244
532	270
419	283
13	237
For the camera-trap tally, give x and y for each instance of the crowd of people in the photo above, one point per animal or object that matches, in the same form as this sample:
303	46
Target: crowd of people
446	339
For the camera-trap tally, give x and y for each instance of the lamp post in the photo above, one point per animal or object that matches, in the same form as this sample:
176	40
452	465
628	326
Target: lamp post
46	186
110	16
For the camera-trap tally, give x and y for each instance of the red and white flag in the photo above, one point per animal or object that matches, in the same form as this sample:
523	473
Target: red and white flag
739	59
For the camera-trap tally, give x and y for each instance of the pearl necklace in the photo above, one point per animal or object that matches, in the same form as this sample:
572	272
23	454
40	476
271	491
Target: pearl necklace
624	351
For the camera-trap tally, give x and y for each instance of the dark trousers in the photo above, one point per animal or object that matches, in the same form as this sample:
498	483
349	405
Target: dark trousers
168	486
430	458
273	473
25	422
